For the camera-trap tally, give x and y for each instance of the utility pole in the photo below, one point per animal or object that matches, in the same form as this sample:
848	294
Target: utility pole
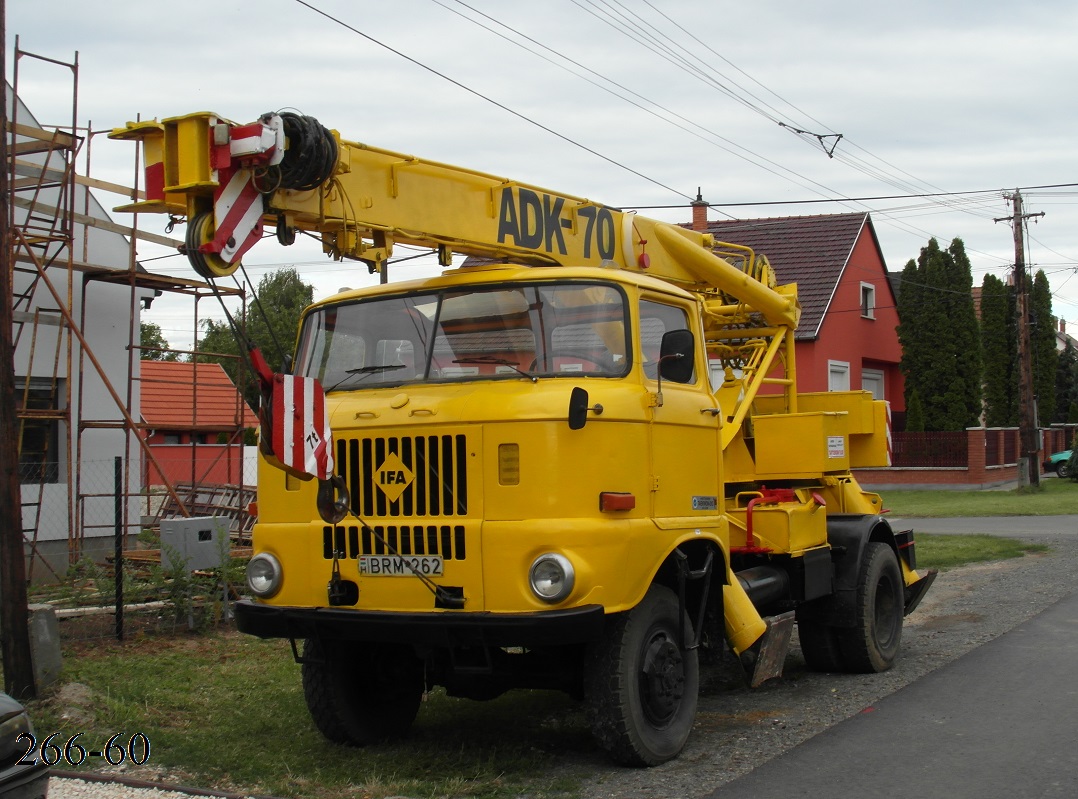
1029	432
14	613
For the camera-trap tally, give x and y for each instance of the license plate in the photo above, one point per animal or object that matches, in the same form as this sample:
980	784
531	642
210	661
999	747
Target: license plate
400	565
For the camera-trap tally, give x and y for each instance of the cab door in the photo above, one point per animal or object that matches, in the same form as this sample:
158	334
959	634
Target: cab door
684	451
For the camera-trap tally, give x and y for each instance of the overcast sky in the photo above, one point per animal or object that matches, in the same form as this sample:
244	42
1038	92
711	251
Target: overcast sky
632	103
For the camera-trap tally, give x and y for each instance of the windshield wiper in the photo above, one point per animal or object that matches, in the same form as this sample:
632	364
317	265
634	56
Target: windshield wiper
364	371
499	362
370	370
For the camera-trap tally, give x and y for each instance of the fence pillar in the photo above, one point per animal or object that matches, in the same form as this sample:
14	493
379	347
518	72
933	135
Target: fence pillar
975	451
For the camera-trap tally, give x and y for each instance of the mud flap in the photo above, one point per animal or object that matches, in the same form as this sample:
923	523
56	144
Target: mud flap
768	654
916	591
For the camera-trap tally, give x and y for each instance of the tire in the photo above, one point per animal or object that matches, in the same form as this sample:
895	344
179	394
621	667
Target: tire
819	645
319	695
1063	469
641	685
361	694
872	644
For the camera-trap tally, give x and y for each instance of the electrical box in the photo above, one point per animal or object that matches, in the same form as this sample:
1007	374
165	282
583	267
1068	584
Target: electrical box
201	542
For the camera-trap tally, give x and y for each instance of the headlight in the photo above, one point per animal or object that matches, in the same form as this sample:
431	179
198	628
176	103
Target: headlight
552	577
264	575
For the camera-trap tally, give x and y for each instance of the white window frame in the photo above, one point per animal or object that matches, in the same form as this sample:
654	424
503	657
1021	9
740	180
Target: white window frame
876	375
840	369
868	308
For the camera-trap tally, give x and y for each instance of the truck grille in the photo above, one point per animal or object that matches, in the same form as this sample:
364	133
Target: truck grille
434	473
420	539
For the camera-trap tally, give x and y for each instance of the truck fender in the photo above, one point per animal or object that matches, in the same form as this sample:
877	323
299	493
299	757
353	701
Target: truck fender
696	571
847	533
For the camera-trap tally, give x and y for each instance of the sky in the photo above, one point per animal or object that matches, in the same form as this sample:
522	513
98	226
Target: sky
637	104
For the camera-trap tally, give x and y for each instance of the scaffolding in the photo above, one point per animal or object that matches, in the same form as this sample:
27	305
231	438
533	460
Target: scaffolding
50	211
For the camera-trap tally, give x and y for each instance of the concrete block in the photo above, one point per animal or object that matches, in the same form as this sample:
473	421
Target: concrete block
45	653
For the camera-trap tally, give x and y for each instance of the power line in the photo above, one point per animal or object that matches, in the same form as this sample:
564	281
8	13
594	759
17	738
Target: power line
490	100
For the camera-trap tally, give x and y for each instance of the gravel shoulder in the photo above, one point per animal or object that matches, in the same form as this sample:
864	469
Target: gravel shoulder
738	729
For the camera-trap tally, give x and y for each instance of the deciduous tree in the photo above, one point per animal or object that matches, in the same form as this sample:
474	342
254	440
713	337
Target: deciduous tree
270	325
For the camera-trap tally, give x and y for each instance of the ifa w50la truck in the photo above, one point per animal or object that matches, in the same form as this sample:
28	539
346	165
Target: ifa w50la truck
578	461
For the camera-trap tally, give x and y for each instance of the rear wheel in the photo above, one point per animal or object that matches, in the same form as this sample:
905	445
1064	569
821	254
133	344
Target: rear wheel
642	685
872	644
361	693
819	645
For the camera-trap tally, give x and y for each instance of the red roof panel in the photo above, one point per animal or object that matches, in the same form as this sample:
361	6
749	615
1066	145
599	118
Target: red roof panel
182	396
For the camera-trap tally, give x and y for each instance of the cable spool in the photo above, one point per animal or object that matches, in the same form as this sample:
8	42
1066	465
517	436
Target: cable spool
311	156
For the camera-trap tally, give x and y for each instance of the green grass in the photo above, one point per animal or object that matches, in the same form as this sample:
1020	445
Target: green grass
227	711
1055	498
951	551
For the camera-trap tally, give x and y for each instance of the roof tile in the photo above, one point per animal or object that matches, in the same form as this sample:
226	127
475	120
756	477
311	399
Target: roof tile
180	396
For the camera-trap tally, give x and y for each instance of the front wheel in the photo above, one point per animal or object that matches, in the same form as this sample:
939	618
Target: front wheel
872	644
361	694
642	685
1063	470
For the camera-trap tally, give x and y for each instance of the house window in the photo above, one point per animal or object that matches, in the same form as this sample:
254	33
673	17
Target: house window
172	438
37	402
873	380
868	301
838	376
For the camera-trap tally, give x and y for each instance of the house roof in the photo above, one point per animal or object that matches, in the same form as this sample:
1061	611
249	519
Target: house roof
184	396
811	251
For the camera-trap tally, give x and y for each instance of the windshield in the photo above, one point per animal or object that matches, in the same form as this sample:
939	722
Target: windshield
495	332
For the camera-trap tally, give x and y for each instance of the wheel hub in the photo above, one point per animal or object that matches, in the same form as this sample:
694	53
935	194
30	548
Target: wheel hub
662	679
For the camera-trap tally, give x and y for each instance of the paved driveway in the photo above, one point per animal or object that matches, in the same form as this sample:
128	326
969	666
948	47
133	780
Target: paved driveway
998	722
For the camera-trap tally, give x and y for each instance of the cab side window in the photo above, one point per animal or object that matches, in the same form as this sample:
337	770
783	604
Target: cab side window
656	319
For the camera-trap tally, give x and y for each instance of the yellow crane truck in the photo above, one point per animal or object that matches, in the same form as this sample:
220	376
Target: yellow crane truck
577	461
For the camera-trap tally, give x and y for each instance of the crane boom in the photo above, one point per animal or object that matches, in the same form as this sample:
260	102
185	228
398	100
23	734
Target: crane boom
230	180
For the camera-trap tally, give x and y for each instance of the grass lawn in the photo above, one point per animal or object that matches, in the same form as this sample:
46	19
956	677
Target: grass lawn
1055	498
226	711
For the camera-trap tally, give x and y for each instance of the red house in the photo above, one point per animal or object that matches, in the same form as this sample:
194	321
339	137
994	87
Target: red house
847	337
193	420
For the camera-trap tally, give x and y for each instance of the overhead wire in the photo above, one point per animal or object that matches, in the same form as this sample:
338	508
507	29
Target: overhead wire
488	99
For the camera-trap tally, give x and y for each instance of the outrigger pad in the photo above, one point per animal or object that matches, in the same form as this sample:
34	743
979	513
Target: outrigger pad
773	648
916	591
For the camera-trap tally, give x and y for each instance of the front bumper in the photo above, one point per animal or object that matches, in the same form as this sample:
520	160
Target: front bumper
446	628
25	782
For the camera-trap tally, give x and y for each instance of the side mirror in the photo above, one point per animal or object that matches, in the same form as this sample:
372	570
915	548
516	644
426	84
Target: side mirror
676	360
286	365
578	408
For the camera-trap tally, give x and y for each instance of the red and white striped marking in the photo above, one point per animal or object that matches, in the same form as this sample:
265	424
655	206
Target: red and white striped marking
301	436
237	212
890	445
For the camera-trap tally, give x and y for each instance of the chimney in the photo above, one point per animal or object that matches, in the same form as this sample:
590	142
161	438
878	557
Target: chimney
699	213
1063	327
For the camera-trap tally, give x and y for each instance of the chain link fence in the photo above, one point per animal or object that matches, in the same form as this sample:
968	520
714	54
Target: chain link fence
112	579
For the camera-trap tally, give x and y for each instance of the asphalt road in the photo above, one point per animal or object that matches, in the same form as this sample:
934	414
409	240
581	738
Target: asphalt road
953	732
1000	721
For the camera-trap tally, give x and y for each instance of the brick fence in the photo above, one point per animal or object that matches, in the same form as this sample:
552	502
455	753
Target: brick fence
988	459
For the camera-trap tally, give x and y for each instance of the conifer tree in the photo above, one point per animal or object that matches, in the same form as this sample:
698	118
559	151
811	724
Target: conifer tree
940	337
1000	344
1042	334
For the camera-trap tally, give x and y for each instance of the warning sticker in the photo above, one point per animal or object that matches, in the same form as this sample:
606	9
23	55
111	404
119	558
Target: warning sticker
836	446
